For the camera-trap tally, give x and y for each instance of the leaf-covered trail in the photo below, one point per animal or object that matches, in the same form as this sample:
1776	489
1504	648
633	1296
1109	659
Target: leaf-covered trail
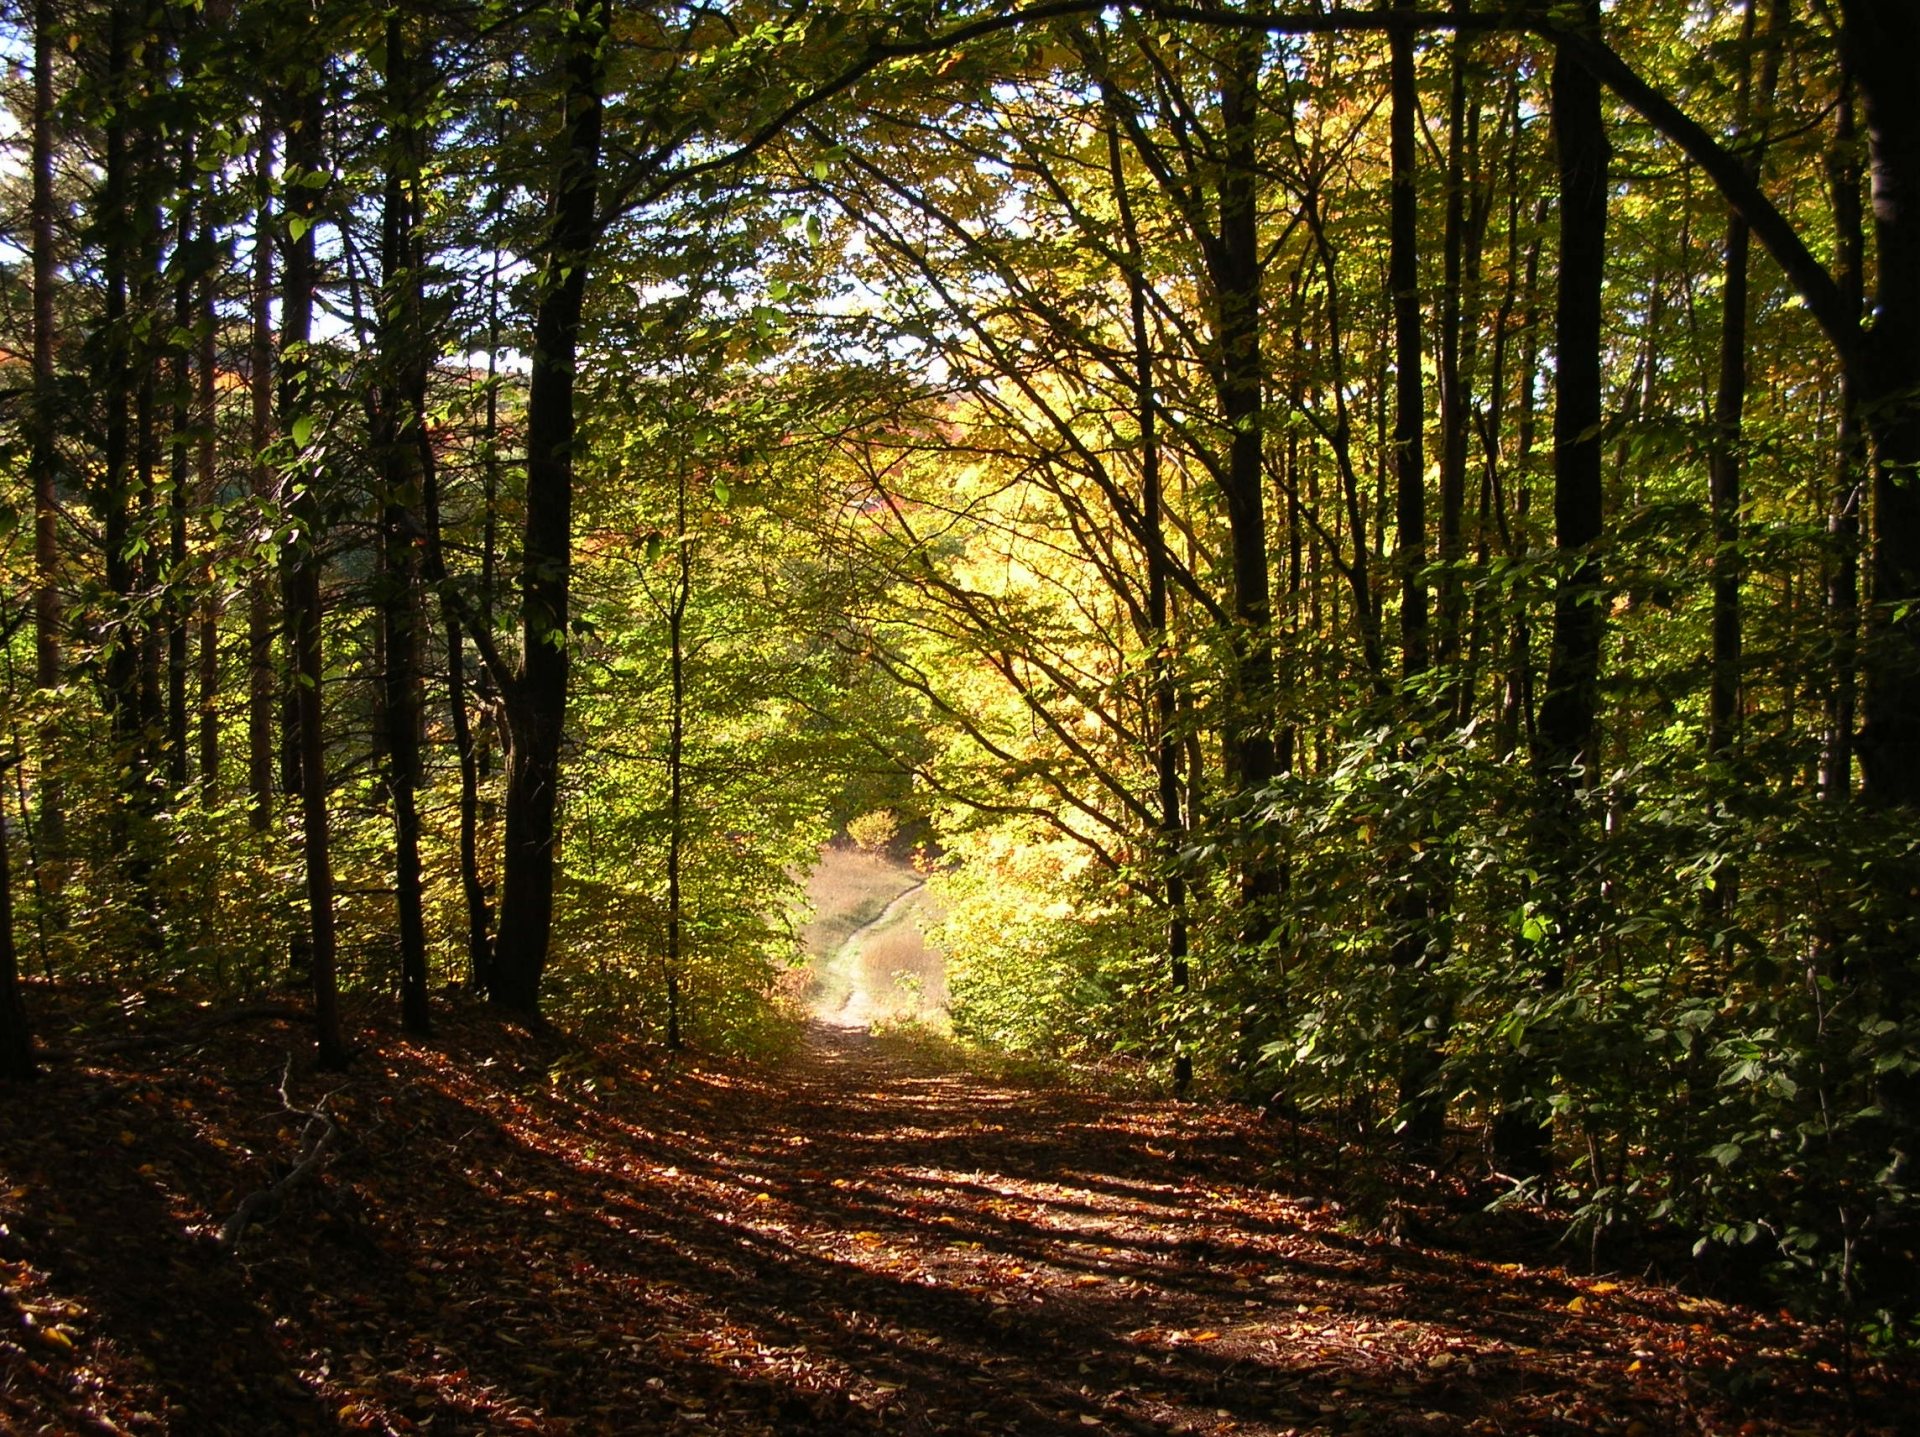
520	1233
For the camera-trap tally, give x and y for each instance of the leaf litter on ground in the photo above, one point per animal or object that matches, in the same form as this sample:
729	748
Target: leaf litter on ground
517	1231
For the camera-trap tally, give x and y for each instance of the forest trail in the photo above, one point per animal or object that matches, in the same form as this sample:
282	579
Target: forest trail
863	1001
869	960
520	1232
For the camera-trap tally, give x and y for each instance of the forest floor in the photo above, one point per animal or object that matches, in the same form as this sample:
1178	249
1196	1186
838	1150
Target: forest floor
515	1231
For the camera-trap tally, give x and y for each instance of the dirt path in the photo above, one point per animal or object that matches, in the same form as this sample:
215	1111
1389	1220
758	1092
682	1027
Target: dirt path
862	1003
519	1234
870	959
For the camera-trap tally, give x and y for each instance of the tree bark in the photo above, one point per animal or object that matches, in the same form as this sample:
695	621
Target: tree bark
1563	756
1235	264
1162	679
303	598
399	411
44	458
260	668
536	699
16	1038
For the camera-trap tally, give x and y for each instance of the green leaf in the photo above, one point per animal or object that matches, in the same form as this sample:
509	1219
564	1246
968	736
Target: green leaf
302	431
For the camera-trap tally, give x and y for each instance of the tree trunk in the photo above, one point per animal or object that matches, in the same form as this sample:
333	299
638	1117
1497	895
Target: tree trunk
44	459
1882	37
177	607
1409	399
260	669
399	410
1162	678
1236	267
207	482
677	747
1563	754
1843	505
304	608
1424	1113
536	699
16	1039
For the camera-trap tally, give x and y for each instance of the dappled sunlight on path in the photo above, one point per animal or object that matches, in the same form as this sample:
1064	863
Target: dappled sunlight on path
521	1233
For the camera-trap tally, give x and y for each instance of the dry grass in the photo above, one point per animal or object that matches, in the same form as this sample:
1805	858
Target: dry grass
885	973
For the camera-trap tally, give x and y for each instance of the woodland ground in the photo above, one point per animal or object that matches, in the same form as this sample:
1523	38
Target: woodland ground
515	1230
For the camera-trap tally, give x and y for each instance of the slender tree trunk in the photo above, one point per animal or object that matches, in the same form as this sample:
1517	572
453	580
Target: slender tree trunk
304	603
1162	677
677	747
114	382
1464	228
16	1038
479	937
1729	409
177	607
1564	759
398	410
1409	399
207	482
1236	267
536	700
1843	507
261	684
44	460
1424	1113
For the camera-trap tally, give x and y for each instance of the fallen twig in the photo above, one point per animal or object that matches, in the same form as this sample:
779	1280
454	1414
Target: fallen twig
265	1201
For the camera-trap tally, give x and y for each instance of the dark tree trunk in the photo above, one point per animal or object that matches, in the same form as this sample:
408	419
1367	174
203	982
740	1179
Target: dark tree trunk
177	607
1162	678
479	937
207	481
260	668
1235	263
1563	751
399	410
1882	37
304	605
1409	399
16	1039
1729	410
122	660
1424	1114
1843	508
43	457
536	700
677	749
1568	710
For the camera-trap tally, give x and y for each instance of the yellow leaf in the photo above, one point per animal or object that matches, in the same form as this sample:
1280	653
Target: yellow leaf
1204	1337
1579	1304
1603	1287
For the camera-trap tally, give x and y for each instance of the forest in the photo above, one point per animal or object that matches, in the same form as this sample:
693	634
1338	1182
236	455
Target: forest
1369	555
